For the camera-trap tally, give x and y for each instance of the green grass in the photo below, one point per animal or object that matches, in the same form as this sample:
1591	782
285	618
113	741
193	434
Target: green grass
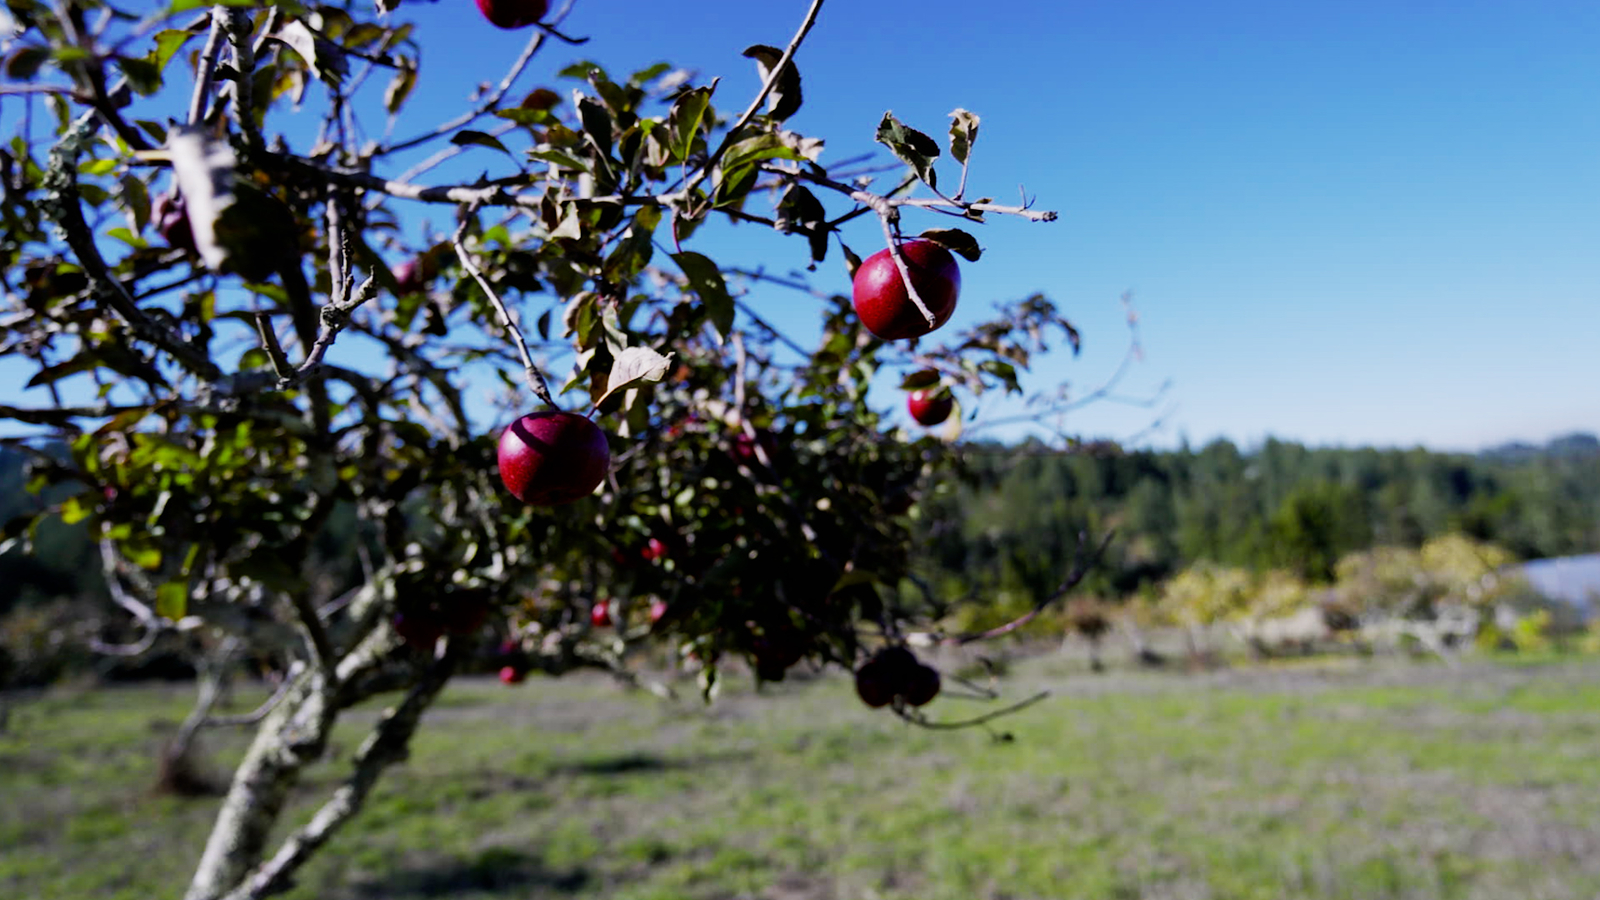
1388	780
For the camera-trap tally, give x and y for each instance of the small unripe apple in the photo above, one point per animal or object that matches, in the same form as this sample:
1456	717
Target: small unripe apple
513	13
512	675
600	614
930	406
550	458
883	303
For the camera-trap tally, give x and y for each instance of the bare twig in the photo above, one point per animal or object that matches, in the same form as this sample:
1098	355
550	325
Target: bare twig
534	377
1079	570
334	319
917	719
255	715
206	71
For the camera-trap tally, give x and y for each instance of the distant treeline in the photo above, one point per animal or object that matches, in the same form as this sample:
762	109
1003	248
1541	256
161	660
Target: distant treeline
1016	525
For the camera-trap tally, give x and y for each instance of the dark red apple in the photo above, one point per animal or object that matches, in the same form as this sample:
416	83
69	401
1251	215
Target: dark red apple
600	615
418	629
513	13
894	672
930	406
550	458
463	612
921	685
512	675
883	303
873	685
171	218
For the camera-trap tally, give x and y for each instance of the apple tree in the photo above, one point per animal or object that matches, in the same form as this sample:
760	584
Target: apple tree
562	423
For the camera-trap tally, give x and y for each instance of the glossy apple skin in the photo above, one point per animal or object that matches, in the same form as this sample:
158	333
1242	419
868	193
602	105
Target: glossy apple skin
513	13
658	609
882	302
930	406
512	675
600	616
550	458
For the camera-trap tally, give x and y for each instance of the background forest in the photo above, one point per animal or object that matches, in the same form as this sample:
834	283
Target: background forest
1004	535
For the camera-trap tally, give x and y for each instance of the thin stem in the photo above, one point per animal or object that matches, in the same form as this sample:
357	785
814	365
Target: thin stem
534	377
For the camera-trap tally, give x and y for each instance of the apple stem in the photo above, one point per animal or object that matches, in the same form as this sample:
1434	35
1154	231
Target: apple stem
884	216
534	376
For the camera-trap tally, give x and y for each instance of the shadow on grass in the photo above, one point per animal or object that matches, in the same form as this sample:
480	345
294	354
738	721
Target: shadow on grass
630	763
499	870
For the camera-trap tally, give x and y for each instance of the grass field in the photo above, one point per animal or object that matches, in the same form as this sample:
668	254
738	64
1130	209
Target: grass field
1328	781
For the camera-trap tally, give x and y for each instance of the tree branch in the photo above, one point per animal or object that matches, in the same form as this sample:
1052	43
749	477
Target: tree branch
534	377
386	745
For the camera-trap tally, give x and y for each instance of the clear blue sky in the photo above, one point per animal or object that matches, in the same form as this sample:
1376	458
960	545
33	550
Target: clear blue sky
1362	222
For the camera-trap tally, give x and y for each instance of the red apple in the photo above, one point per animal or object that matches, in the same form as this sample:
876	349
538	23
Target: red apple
600	615
513	13
930	406
418	629
658	610
895	672
653	550
414	274
550	458
873	685
884	304
171	218
512	675
921	685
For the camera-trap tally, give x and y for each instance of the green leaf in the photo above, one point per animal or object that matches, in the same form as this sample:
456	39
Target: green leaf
756	149
143	74
635	365
955	240
564	160
25	62
168	43
172	600
596	122
400	86
478	139
963	134
705	279
784	99
74	510
683	123
136	200
95	167
916	381
910	146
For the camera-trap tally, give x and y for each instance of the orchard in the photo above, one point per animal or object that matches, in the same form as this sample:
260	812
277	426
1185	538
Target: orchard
227	315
